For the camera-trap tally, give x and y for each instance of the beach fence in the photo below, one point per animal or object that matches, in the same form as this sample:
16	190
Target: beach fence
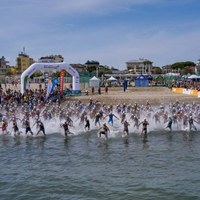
84	79
186	91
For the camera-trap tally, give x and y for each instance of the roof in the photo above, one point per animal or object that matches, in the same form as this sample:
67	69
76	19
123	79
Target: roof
111	79
94	78
138	61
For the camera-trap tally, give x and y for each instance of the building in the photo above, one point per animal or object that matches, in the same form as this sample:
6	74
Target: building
79	67
23	62
51	59
3	62
168	69
4	68
141	66
197	68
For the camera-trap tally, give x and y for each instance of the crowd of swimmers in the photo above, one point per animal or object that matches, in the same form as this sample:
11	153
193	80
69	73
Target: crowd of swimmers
19	111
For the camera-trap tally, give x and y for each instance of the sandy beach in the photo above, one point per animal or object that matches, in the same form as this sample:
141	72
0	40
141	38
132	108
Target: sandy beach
116	95
155	96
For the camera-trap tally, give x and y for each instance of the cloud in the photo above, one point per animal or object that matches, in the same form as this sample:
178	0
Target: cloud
161	47
80	30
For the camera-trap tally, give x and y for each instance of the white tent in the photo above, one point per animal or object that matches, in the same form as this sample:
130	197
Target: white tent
172	74
94	82
111	79
194	77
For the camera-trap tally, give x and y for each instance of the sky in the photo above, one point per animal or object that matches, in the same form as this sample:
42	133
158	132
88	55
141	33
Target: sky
109	31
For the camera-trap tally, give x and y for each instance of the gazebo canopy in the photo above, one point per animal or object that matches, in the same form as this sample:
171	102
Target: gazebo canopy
111	79
94	78
94	82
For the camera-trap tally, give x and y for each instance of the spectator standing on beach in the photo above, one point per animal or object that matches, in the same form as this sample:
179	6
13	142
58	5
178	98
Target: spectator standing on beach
106	89
99	90
92	90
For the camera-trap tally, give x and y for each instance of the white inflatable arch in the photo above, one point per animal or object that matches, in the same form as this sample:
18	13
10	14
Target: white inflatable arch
50	67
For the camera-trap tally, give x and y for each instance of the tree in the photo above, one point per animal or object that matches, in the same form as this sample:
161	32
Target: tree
13	70
188	70
182	65
147	62
156	70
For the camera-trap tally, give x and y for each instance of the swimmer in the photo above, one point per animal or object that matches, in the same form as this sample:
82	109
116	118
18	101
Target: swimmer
97	119
126	130
123	117
28	127
87	124
191	123
110	117
66	128
4	126
15	128
144	123
169	125
41	127
104	131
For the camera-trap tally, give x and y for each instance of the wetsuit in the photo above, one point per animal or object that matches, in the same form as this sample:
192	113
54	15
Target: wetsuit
87	125
66	128
169	125
28	128
41	128
191	124
104	131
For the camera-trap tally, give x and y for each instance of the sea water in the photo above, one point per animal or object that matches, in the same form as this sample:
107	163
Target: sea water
82	166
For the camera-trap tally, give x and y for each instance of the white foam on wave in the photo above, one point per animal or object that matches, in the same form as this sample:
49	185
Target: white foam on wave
54	126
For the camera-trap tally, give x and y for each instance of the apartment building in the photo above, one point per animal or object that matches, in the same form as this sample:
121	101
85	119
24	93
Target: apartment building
23	62
141	66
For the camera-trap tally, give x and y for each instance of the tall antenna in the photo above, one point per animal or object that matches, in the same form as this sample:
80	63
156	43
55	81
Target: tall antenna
23	50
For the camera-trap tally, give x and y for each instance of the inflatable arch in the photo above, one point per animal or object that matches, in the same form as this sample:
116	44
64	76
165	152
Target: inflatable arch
49	67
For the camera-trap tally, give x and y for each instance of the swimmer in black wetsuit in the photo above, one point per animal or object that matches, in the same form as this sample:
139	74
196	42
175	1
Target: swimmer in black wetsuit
144	123
104	130
28	127
169	125
15	128
191	123
66	128
126	125
41	127
87	124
